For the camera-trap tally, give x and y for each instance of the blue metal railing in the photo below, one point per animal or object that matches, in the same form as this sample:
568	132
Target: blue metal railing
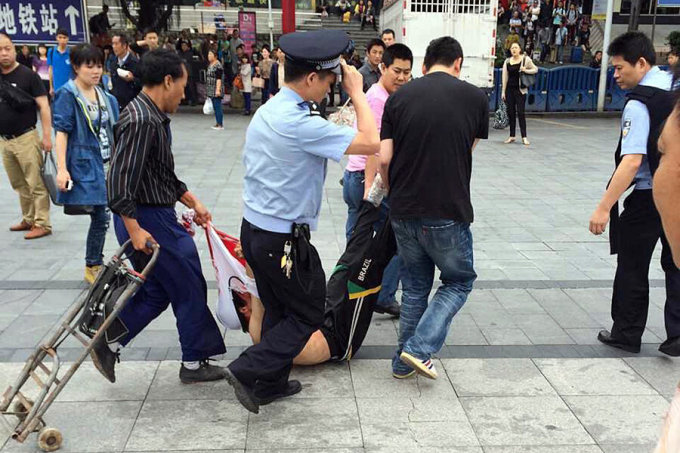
565	89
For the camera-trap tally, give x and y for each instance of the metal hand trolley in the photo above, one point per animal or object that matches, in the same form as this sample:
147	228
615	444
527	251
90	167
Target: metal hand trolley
116	284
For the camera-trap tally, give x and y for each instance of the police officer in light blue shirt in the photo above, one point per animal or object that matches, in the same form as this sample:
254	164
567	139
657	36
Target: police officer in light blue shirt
634	234
635	127
287	148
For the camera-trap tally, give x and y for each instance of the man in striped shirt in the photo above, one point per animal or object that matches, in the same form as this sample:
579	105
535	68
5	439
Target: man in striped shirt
142	191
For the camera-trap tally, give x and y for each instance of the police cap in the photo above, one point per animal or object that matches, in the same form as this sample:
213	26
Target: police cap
318	50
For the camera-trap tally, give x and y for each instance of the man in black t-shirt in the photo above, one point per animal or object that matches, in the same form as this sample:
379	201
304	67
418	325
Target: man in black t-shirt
19	141
429	129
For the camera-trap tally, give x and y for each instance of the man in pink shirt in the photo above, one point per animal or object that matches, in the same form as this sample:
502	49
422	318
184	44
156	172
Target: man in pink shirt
397	62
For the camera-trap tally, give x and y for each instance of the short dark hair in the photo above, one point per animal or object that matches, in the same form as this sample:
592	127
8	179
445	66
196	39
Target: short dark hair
445	51
400	51
240	46
294	72
375	42
632	46
157	64
62	31
5	35
123	37
675	51
105	7
149	30
86	54
388	31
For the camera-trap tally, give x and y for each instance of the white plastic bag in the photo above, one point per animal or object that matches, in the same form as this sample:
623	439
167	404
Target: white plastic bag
208	107
234	286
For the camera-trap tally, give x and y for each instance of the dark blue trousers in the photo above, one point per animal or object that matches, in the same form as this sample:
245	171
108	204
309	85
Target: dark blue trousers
177	280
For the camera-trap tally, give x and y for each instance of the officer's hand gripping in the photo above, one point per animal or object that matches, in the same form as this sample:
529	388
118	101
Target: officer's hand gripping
352	80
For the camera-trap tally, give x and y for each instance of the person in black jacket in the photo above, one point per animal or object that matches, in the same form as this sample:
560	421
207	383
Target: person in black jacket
188	56
277	72
124	76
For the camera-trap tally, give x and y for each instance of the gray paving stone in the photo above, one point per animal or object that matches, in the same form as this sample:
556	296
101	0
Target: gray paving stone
465	335
306	450
27	330
53	302
331	380
537	420
505	336
373	379
496	377
627	448
424	408
593	377
417	449
189	425
87	384
150	338
13	303
305	423
382	332
167	386
75	421
550	449
541	329
662	373
407	436
635	419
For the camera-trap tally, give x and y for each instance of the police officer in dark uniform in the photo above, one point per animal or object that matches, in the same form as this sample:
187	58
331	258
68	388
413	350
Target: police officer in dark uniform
634	234
287	147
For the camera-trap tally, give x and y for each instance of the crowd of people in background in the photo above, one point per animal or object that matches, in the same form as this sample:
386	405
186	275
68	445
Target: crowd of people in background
362	11
546	27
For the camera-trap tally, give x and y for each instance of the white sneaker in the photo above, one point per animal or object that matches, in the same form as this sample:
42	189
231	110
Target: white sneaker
424	367
218	128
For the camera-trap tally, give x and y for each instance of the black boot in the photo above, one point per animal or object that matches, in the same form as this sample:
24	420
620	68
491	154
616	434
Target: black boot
104	359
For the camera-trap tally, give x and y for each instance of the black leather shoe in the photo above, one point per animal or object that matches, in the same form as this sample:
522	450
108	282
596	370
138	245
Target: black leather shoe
393	309
204	373
606	337
671	347
104	359
244	394
291	389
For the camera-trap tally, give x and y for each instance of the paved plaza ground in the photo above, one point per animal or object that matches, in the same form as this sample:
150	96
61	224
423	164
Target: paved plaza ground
521	370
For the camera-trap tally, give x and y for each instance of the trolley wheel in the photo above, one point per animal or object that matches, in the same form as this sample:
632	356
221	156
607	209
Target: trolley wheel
20	410
50	439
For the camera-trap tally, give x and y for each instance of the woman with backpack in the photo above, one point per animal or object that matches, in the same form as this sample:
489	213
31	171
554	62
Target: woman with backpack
513	92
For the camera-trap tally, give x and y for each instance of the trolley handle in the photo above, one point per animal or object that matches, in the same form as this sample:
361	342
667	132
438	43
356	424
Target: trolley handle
155	248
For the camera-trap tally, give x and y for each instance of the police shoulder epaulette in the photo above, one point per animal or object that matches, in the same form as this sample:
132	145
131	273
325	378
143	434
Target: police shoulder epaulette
313	108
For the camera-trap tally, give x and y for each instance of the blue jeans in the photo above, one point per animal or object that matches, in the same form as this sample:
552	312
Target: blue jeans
353	194
217	106
96	236
424	244
246	97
